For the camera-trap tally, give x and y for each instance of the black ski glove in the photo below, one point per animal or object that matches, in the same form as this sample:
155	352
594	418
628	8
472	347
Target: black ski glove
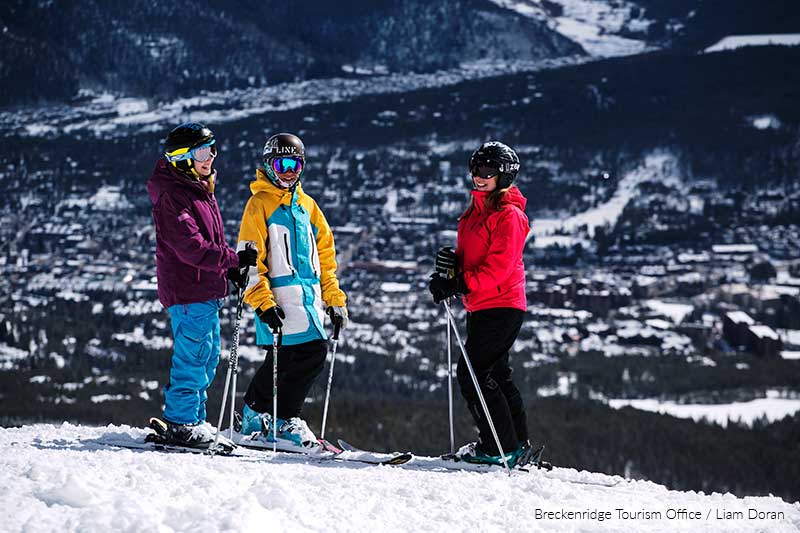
446	263
443	288
338	315
273	317
238	277
247	257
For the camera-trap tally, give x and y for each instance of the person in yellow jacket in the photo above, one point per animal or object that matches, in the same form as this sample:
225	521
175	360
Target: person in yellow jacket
291	289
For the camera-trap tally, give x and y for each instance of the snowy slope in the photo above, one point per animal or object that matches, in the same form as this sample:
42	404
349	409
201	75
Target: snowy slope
593	24
57	478
657	166
732	42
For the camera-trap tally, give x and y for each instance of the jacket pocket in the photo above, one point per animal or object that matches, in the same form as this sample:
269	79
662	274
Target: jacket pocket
279	252
312	243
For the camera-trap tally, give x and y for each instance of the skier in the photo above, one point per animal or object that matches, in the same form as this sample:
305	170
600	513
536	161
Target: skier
192	262
486	268
294	279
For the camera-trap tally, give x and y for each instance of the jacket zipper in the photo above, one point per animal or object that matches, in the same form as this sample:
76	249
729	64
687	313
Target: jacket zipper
288	257
314	252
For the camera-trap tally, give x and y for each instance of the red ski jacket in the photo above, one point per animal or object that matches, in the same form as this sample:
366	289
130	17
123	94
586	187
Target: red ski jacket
490	252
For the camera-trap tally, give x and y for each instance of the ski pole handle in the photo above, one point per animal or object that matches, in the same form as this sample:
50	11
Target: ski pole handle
337	327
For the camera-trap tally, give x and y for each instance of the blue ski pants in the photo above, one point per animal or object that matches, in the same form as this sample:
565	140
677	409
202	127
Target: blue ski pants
195	332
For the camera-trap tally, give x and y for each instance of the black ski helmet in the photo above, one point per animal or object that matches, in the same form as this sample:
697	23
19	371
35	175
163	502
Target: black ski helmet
282	145
499	155
182	139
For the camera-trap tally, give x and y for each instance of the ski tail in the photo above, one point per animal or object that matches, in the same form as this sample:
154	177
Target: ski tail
351	453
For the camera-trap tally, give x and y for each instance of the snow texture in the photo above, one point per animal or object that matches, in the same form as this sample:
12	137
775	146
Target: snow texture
592	24
657	167
106	116
58	478
772	408
732	42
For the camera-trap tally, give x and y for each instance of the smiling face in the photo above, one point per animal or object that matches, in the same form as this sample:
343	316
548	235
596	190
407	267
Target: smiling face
485	184
287	179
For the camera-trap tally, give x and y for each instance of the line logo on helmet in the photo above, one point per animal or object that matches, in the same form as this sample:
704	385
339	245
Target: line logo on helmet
509	167
275	149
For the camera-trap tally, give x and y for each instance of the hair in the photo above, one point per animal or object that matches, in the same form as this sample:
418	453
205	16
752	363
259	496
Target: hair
494	200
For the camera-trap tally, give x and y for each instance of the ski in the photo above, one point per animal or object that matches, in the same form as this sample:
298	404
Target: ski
395	458
324	452
161	447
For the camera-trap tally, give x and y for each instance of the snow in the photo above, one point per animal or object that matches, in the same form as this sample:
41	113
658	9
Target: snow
772	407
109	198
9	356
108	116
764	332
790	336
764	122
657	166
740	317
590	23
58	478
395	287
734	248
595	42
732	42
674	311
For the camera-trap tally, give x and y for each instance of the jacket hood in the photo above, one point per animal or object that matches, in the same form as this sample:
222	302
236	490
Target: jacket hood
512	197
263	184
164	179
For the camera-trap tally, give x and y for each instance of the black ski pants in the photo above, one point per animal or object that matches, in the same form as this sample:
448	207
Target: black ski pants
490	335
298	367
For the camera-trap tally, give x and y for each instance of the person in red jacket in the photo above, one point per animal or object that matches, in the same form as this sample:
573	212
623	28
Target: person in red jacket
487	269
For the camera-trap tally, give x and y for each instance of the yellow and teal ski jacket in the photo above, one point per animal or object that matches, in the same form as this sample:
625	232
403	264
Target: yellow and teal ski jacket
296	260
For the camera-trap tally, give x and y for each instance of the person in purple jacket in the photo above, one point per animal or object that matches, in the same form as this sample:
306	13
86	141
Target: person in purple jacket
193	264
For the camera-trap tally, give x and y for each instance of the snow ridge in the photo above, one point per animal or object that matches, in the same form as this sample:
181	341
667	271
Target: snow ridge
58	478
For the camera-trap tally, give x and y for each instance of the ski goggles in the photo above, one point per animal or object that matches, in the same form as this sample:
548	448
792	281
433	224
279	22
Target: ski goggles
483	170
201	153
282	165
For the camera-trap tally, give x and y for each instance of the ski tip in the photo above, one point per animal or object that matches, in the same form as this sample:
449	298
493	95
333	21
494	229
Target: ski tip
399	459
346	446
329	447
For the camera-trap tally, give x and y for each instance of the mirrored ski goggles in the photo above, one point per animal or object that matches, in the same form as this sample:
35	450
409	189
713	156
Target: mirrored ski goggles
282	165
484	171
201	153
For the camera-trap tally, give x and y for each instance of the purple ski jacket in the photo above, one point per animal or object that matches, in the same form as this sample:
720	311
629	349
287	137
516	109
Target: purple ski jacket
192	257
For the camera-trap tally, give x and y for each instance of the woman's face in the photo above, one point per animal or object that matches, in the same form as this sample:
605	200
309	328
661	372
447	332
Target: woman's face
288	169
485	184
204	168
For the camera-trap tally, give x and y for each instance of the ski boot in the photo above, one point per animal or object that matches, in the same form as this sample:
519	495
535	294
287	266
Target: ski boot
292	434
251	421
471	453
200	435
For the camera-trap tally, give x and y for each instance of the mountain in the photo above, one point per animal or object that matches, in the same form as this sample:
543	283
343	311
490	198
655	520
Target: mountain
59	478
157	49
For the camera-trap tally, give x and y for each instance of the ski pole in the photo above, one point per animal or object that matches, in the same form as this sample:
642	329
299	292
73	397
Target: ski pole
336	328
233	370
277	338
450	388
452	320
233	359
